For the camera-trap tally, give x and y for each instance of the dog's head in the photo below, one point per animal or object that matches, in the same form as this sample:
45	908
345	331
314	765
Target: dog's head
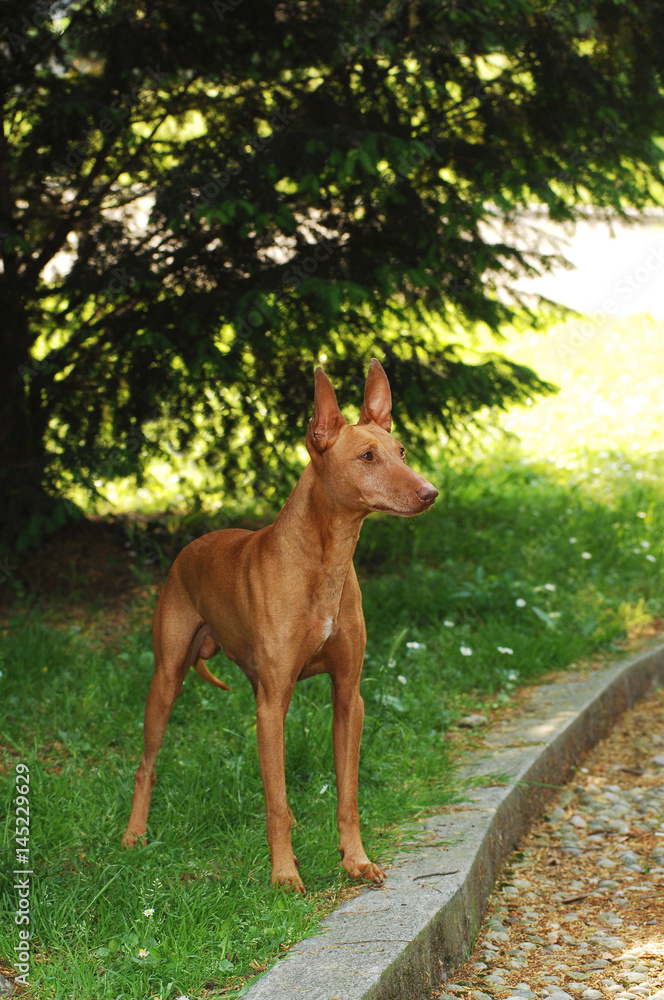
363	465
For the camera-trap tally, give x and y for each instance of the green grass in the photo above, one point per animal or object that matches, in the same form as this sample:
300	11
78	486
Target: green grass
554	558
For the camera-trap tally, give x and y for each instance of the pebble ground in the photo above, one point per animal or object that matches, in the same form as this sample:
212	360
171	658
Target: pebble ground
578	911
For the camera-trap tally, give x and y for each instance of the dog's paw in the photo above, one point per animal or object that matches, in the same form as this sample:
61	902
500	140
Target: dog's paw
131	839
289	880
366	870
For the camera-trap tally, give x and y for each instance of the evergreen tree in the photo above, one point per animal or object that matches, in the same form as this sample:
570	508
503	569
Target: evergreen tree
198	200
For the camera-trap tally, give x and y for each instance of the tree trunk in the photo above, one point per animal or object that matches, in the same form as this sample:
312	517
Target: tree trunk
27	510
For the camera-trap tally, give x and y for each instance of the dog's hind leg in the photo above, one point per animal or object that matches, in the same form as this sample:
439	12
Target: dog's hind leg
174	626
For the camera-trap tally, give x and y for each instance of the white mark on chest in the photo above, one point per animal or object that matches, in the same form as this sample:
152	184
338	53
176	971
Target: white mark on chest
322	636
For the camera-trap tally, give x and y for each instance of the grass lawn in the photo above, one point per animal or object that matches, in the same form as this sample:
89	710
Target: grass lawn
539	551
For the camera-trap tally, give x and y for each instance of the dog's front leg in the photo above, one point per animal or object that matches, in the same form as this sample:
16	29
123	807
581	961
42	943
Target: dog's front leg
347	724
271	709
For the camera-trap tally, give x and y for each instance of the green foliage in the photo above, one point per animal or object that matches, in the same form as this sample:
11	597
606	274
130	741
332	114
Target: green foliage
197	201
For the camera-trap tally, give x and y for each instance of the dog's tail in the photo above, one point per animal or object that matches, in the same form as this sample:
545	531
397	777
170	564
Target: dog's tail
202	671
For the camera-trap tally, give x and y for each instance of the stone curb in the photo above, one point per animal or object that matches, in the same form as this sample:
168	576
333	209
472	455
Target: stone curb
399	942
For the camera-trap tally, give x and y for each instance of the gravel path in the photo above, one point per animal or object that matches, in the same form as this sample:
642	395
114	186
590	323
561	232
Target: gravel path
578	911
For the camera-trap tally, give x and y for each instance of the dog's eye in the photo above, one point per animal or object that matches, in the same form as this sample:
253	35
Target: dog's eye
402	451
368	456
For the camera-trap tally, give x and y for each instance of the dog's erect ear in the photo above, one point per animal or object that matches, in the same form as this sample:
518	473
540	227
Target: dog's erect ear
327	420
377	404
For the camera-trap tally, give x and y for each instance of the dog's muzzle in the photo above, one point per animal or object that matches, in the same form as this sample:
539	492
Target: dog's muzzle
427	494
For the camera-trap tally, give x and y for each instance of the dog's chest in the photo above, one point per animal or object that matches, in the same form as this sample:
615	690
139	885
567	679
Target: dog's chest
319	632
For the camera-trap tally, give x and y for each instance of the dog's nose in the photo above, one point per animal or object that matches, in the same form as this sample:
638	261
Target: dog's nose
427	494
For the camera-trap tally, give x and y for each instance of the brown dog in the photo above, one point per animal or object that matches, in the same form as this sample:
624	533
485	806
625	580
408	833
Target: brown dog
284	604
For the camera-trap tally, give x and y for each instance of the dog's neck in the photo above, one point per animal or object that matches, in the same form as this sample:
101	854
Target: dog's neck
324	531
